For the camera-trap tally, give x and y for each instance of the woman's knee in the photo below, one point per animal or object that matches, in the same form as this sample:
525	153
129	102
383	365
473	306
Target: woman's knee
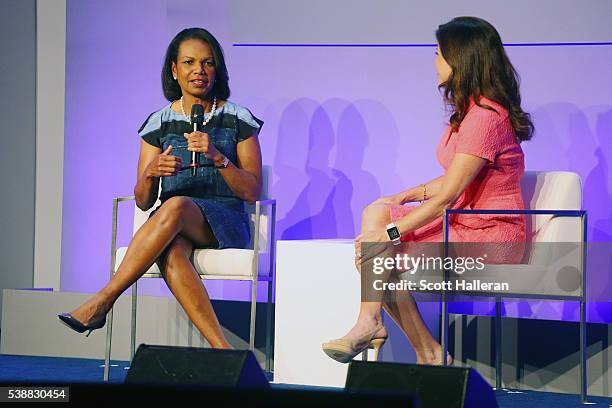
172	212
376	213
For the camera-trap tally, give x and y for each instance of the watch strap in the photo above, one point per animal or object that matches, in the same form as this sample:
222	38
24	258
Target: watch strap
224	163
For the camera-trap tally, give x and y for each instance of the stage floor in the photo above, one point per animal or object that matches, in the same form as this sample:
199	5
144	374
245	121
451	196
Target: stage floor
20	369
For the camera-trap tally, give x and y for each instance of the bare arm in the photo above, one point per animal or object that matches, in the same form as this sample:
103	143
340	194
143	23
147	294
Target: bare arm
413	194
153	164
432	188
463	169
244	177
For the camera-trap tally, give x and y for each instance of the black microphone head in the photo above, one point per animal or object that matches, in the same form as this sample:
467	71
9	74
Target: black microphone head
197	114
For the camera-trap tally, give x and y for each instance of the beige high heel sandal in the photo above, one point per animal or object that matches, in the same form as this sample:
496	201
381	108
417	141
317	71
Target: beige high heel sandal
345	350
376	344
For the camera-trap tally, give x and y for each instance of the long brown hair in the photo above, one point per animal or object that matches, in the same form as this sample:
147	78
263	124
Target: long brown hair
480	68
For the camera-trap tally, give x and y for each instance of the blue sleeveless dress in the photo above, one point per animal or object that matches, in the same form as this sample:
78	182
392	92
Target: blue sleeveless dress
224	211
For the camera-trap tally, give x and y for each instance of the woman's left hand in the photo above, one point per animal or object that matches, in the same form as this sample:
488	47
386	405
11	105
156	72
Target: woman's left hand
200	142
373	236
369	237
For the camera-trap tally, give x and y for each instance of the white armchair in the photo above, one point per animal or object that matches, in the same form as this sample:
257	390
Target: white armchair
554	200
252	265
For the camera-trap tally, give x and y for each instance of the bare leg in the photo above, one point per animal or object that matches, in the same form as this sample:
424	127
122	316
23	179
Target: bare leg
405	313
401	307
187	287
176	215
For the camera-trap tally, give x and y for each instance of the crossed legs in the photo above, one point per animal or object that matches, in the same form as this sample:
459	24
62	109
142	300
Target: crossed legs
400	306
167	238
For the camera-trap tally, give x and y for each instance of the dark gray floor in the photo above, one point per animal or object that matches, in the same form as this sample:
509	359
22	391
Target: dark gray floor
20	369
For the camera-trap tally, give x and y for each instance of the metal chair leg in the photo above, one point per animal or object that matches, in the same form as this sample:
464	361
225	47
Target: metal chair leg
113	259
269	329
498	350
109	337
583	356
444	306
444	329
583	339
253	311
133	322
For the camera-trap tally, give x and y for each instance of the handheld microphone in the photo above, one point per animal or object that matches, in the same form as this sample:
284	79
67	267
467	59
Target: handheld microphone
197	118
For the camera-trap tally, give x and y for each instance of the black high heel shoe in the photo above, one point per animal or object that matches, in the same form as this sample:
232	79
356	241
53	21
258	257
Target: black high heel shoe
75	325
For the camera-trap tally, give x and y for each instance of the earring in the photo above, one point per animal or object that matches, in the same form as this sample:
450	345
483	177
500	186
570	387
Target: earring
175	78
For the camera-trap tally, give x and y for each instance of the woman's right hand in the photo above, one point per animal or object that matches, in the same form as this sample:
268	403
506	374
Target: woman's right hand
164	165
396	199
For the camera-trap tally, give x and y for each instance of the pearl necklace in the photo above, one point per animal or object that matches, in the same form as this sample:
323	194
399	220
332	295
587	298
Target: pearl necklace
212	111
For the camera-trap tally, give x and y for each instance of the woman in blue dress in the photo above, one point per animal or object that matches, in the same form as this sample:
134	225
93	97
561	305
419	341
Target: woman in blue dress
201	211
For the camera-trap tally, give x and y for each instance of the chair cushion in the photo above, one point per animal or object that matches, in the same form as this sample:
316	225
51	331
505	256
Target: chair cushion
217	262
229	261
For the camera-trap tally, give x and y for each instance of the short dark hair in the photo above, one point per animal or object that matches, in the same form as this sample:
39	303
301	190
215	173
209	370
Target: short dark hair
480	67
171	88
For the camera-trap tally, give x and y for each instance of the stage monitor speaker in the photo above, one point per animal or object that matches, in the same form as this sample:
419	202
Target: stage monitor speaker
437	387
169	365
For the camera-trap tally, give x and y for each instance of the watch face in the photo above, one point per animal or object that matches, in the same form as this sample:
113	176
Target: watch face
223	163
393	233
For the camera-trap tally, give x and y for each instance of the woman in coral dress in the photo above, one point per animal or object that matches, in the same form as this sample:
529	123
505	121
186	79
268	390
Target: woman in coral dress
483	164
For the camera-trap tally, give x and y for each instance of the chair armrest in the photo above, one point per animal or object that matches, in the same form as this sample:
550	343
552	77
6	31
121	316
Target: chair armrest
265	202
558	213
258	205
561	213
126	198
271	241
116	202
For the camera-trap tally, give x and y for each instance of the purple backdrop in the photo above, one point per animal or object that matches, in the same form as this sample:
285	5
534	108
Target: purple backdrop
343	125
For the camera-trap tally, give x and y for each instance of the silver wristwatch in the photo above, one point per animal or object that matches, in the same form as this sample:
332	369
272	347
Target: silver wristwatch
394	234
224	163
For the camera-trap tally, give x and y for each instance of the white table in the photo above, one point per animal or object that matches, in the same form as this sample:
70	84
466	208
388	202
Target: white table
317	299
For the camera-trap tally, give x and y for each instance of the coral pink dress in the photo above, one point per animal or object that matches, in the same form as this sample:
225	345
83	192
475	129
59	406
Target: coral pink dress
487	134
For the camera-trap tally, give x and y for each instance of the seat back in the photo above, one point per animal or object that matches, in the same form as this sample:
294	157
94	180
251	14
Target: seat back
265	225
140	217
555	190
